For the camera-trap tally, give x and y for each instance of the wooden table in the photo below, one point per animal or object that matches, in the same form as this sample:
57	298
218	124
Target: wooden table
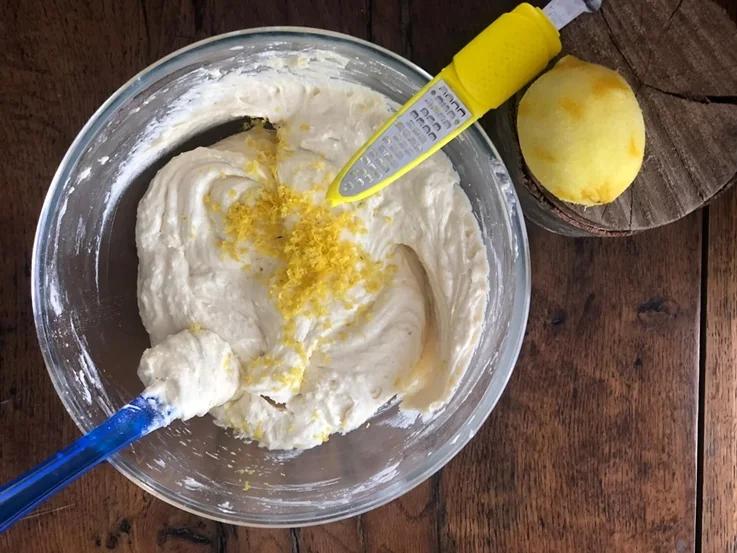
618	431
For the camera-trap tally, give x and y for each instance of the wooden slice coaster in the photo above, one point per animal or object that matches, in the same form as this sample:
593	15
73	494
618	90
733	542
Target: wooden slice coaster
680	56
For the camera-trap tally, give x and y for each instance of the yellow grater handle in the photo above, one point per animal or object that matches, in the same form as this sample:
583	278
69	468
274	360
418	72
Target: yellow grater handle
506	56
495	65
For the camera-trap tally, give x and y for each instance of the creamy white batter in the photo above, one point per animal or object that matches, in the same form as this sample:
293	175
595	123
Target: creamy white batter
191	370
328	368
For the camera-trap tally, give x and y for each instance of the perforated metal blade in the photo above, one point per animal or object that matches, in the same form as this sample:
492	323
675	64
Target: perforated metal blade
428	122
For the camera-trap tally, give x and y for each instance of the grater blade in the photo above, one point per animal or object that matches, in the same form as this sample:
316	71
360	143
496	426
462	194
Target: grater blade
435	115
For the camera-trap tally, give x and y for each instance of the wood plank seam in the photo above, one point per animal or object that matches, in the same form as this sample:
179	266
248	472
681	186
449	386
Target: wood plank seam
700	438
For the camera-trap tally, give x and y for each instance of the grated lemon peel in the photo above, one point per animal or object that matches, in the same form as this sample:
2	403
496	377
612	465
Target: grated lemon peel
318	265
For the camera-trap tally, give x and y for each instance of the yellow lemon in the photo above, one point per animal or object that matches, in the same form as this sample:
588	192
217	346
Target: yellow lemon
581	132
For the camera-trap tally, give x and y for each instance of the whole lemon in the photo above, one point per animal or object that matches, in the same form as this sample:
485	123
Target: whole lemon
581	132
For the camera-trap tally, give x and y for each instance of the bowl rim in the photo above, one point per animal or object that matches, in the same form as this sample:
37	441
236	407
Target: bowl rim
508	353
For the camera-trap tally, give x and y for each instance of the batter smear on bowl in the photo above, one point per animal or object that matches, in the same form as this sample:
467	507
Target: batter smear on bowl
330	312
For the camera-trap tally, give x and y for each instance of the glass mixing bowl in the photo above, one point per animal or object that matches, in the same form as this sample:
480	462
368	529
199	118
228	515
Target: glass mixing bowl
86	313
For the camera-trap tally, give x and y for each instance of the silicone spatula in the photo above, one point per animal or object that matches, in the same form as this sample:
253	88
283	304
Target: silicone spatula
496	64
140	417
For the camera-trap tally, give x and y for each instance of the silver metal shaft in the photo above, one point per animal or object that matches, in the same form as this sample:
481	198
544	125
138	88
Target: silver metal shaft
562	12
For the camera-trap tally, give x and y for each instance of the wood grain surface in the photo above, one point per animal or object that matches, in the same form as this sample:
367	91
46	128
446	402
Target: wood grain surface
720	380
594	444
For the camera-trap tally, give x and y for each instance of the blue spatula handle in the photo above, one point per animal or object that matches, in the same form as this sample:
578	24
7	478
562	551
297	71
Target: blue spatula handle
135	420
